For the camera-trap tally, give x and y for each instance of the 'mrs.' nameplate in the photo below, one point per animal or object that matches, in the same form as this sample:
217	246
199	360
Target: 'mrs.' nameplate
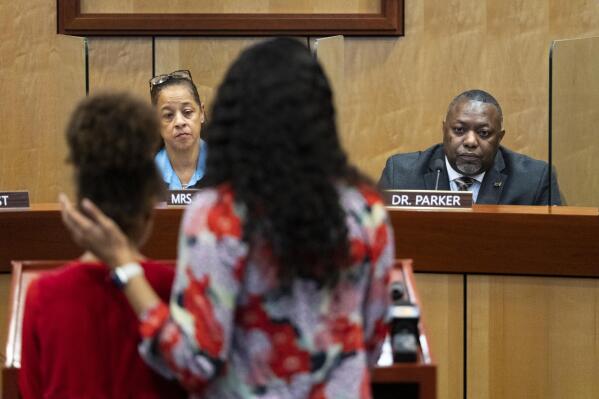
180	197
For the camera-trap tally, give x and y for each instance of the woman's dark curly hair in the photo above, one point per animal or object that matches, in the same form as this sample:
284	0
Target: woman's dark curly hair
112	139
273	139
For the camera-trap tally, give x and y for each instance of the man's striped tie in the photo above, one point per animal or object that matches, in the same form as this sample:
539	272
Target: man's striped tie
464	183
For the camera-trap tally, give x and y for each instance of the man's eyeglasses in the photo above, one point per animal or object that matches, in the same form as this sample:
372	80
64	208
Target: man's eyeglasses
160	79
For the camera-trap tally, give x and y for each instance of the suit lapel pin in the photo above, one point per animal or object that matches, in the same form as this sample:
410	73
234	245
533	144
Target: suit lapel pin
498	184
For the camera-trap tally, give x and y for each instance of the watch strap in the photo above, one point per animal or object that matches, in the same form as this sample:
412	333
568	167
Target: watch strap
121	275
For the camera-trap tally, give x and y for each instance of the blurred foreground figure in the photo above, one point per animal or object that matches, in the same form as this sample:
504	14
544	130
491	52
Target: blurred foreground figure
281	288
80	336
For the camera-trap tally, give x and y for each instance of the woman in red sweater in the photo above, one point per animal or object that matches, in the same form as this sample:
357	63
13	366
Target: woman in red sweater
80	335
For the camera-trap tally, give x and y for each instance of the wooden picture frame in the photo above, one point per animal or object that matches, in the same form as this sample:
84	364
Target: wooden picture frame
389	22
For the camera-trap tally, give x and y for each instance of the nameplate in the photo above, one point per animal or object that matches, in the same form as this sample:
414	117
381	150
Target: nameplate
14	199
427	199
180	197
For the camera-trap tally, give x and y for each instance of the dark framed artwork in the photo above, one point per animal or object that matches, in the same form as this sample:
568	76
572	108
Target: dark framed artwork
388	22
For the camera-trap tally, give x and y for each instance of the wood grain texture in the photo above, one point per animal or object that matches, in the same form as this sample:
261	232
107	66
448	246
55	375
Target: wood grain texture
442	308
577	18
120	64
559	241
42	79
575	143
532	338
543	241
39	234
231	6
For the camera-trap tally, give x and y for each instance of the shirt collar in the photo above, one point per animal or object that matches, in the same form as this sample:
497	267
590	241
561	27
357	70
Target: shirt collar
168	173
201	166
453	174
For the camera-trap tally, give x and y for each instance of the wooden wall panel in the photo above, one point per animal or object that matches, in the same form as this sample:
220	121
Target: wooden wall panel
532	338
41	79
442	297
120	64
575	119
575	18
231	6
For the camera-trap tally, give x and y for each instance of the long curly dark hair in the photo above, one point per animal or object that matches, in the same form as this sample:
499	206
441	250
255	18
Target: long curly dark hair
112	139
273	138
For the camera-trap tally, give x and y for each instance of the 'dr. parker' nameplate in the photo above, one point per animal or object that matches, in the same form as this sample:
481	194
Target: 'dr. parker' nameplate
180	197
427	199
14	199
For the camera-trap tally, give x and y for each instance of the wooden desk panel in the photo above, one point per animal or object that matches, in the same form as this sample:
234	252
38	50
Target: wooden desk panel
442	300
38	234
559	241
532	337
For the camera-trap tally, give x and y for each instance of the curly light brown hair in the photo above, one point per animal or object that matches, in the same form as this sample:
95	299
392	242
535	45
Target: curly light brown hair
112	139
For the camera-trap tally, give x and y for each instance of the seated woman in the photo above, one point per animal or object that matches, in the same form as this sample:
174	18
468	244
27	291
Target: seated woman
80	337
182	159
282	274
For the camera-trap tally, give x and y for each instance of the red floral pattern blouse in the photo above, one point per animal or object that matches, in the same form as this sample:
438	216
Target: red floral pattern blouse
231	331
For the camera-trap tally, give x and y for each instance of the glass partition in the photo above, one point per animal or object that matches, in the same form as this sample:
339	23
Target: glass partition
330	52
574	119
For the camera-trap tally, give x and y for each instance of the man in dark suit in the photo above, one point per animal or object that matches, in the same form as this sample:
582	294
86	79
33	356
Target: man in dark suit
472	159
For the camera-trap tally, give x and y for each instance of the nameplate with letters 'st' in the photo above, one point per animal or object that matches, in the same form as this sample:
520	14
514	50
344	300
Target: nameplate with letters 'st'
14	199
428	199
180	197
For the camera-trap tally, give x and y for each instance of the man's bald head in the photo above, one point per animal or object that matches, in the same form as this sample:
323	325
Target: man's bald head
477	95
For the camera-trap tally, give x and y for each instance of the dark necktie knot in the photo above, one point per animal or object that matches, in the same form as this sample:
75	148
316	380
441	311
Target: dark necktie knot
464	183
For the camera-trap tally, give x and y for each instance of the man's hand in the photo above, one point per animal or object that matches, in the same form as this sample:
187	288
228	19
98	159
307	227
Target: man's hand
97	233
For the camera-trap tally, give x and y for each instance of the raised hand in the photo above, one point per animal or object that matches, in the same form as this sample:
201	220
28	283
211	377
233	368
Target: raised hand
94	231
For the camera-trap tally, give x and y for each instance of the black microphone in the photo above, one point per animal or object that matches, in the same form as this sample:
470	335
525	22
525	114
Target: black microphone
438	166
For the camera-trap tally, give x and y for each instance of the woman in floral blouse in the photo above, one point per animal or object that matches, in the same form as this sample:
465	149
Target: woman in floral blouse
282	272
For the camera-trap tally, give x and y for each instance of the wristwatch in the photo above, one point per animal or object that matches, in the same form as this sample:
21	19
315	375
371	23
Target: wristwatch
121	275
